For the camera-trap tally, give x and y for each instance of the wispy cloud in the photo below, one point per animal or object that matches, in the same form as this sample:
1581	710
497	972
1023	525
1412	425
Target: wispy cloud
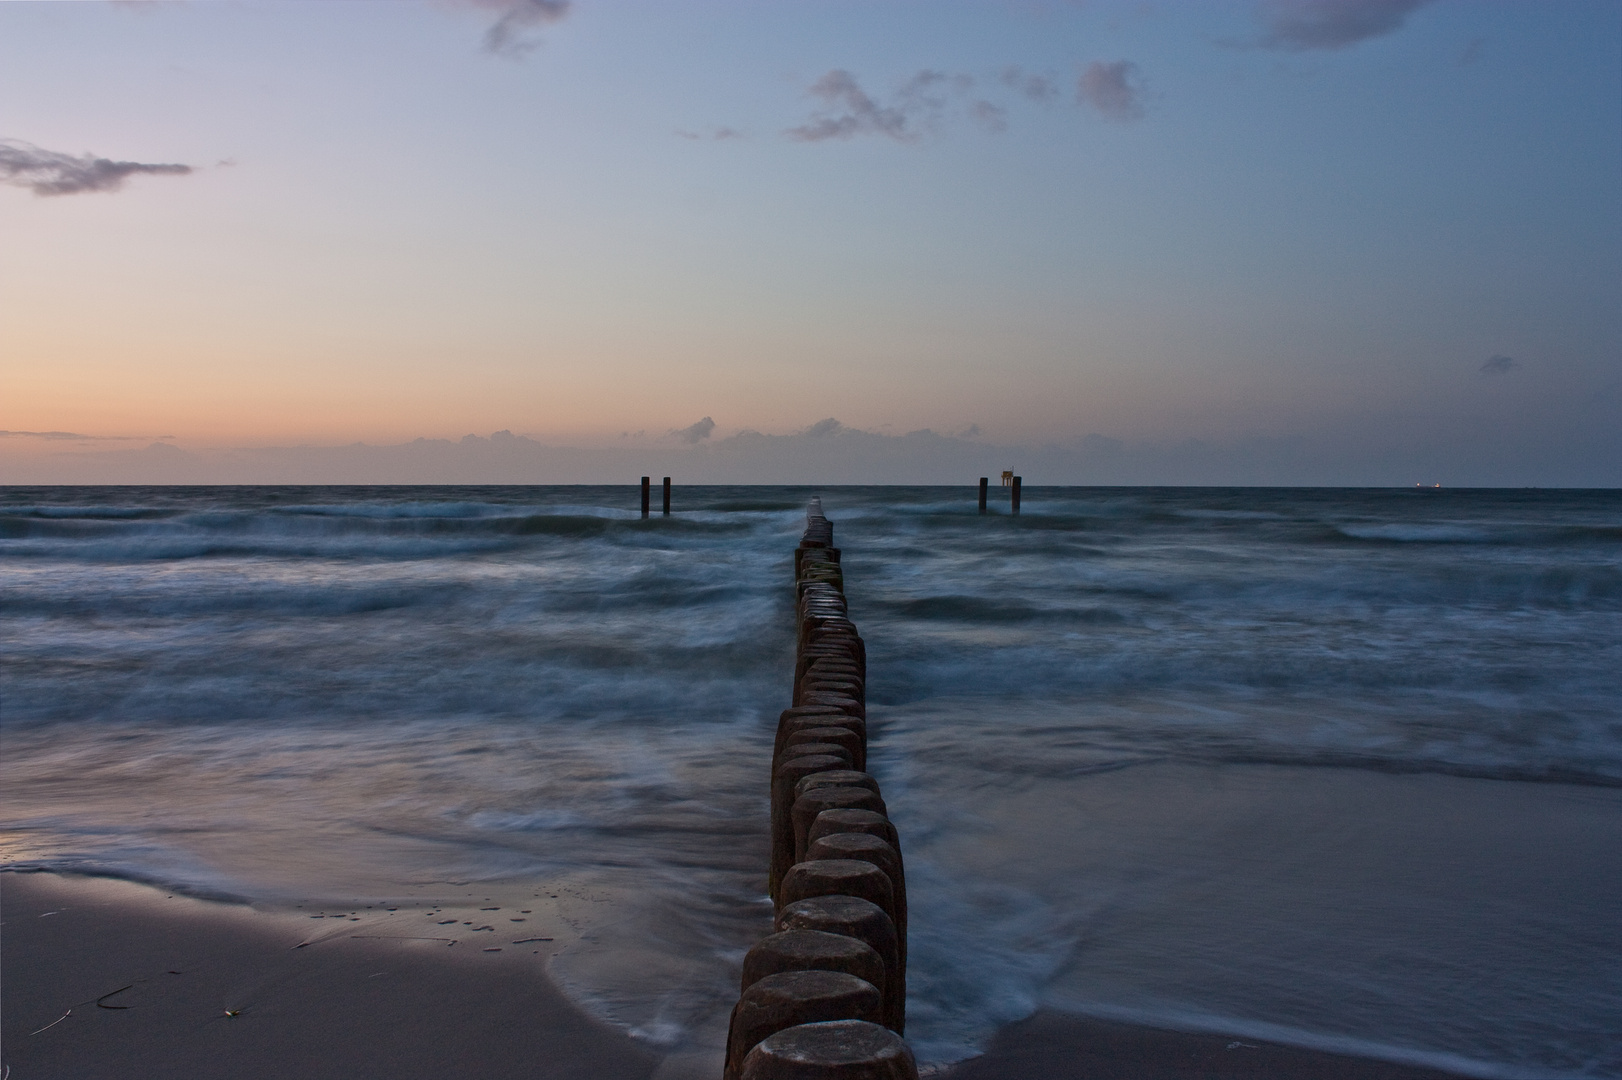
48	172
45	435
1299	25
989	116
74	436
1036	87
719	134
1498	365
1115	89
513	33
849	111
924	102
693	434
918	106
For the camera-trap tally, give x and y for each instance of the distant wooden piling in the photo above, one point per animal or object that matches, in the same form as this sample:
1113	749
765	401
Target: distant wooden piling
825	996
644	496
1015	496
984	482
667	496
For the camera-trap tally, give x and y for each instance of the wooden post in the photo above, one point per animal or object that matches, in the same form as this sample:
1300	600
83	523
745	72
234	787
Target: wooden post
1017	480
983	482
846	1049
667	496
644	496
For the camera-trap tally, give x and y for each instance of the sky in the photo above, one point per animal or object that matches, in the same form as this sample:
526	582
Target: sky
1366	242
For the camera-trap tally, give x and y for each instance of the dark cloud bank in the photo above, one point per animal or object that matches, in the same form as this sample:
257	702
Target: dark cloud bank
829	452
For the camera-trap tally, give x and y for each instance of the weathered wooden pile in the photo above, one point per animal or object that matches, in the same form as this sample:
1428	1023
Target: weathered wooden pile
825	995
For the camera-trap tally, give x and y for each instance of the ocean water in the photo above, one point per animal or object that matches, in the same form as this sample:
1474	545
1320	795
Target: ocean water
1338	768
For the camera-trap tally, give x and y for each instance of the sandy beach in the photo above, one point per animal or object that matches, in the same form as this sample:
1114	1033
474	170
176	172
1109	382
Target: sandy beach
110	979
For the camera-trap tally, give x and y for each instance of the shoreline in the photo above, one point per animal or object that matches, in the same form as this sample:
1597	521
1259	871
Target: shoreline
103	977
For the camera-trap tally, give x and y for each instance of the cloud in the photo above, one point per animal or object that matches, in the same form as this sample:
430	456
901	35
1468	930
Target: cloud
694	434
510	35
919	89
720	134
1299	25
992	117
47	172
918	106
44	435
1498	365
929	97
1035	87
850	111
73	436
1114	89
1585	455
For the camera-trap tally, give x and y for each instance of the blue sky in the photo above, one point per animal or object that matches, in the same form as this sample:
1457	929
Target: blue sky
1381	238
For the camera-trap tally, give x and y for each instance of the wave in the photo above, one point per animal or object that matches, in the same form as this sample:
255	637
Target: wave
1522	534
88	511
191	883
1417	534
388	511
976	609
334	535
313	603
991	737
533	821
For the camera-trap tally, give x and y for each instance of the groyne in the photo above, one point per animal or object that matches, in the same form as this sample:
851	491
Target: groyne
824	996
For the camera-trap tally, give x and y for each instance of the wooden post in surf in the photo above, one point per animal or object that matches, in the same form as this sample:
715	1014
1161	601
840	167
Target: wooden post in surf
984	480
667	496
1014	498
644	496
825	996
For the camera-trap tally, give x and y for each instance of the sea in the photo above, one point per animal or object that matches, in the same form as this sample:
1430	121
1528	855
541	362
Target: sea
1337	768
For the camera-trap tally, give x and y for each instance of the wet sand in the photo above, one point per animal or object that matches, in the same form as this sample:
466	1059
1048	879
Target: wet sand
106	979
109	979
1055	1046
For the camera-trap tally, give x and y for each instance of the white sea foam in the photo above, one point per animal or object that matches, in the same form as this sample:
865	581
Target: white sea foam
1418	533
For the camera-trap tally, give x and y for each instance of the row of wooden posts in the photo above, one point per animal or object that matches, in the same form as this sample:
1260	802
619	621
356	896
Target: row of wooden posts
825	995
1013	482
645	496
984	483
